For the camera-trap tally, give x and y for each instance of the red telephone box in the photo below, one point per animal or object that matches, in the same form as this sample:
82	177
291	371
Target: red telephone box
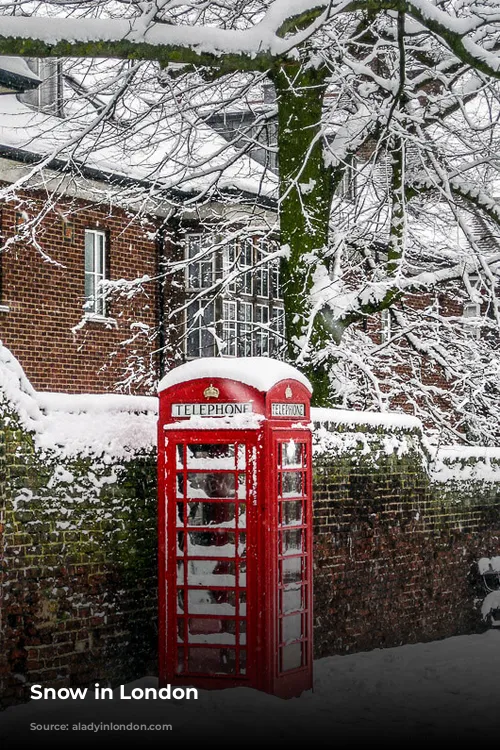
235	536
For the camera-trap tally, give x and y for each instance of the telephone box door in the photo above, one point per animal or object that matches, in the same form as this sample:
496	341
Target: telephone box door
211	545
293	574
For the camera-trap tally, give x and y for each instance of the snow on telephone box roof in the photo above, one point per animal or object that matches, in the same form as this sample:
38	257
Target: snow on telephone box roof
261	373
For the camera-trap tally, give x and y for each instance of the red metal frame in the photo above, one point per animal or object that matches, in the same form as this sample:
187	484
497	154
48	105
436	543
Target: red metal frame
193	522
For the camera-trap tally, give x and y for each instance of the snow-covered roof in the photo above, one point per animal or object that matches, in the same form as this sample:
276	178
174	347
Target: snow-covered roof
260	372
172	154
16	75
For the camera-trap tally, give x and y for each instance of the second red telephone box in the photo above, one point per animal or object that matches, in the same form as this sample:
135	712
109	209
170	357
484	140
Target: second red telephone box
235	535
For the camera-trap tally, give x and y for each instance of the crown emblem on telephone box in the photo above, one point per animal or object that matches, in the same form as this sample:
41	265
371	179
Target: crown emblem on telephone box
288	392
211	392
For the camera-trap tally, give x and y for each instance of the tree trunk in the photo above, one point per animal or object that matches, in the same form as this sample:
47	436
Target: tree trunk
306	191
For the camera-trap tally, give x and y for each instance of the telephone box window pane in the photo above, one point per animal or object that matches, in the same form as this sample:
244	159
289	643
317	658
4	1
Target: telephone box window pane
291	570
291	628
291	513
180	630
291	542
180	485
211	456
211	573
212	660
229	328
243	632
211	514
243	661
242	459
211	631
242	545
291	657
292	599
291	483
243	602
180	514
242	486
211	485
180	660
180	456
291	454
208	543
209	601
180	572
242	578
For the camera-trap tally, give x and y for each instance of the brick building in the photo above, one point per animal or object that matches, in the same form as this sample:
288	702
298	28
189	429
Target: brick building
85	304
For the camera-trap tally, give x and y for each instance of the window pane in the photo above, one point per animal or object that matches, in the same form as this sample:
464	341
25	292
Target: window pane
205	630
291	513
291	570
207	602
291	542
89	290
291	484
212	456
291	628
291	657
212	573
89	252
212	660
291	454
211	514
292	598
211	485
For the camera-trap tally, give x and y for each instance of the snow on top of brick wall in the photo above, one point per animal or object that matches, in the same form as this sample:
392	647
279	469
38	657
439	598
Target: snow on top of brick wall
466	463
112	426
389	420
17	390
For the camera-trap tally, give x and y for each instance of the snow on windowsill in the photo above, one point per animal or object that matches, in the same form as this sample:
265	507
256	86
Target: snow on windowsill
4	309
101	319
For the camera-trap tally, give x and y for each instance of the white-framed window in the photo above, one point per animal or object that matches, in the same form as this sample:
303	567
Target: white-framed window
246	261
229	328
278	331
200	328
262	330
229	265
245	329
472	310
200	269
275	280
95	272
261	277
242	318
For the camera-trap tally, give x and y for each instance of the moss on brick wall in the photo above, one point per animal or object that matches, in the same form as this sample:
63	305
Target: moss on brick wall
79	567
395	553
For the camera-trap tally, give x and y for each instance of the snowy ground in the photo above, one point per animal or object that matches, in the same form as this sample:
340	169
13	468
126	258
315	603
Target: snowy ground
445	690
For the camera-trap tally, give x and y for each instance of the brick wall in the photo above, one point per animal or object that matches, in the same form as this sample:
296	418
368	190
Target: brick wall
395	554
43	287
78	563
